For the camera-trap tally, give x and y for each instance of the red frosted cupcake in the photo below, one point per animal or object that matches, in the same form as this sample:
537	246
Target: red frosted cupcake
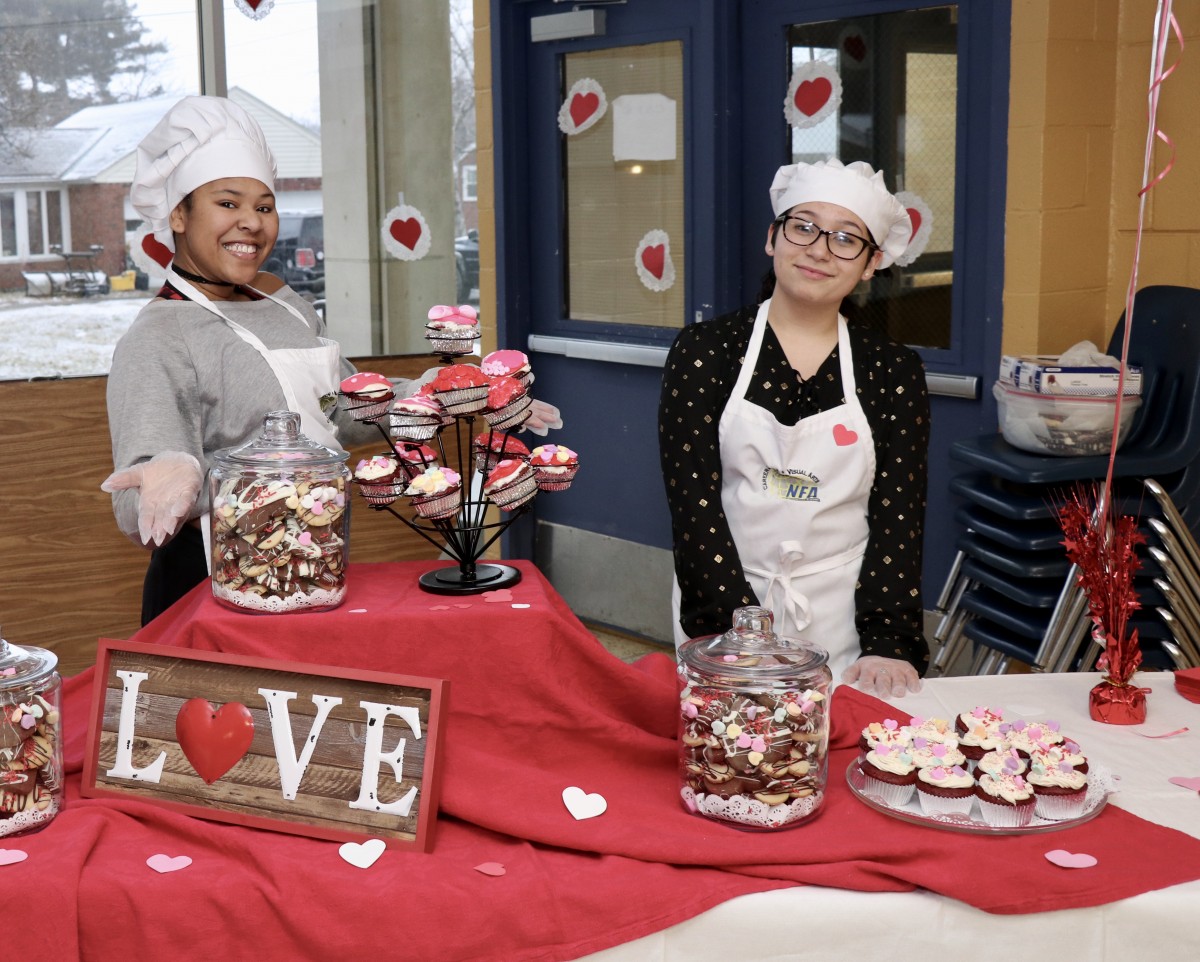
890	774
554	465
368	396
510	484
414	458
436	492
452	330
945	791
380	479
508	364
1059	791
417	418
491	447
507	404
1007	801
461	388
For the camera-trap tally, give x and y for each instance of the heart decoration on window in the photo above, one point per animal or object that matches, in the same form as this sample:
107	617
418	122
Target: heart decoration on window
854	45
405	233
254	9
653	261
922	226
583	107
814	93
149	254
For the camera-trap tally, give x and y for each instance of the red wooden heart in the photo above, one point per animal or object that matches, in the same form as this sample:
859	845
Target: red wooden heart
653	259
915	216
843	435
407	232
583	106
157	251
213	740
855	46
812	95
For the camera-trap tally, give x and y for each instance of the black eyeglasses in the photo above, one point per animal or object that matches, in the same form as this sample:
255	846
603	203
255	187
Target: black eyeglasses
841	244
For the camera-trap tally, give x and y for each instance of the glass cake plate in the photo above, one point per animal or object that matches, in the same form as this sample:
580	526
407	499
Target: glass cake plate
1100	786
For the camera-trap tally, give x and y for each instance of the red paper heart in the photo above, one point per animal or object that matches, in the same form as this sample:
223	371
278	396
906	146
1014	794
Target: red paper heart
583	106
407	232
653	259
856	47
213	740
843	436
253	4
157	251
812	95
915	216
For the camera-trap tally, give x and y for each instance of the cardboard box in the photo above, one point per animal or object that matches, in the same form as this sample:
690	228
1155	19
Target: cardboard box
1042	374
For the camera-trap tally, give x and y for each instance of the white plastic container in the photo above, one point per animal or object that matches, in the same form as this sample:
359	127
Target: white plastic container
1060	425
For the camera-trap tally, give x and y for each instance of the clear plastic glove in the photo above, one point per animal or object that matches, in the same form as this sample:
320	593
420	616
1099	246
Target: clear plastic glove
883	676
542	417
167	486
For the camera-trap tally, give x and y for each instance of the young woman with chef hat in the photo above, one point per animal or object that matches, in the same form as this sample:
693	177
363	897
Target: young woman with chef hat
220	346
793	445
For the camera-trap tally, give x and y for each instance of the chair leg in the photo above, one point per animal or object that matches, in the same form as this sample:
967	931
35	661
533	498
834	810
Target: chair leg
949	648
981	656
950	585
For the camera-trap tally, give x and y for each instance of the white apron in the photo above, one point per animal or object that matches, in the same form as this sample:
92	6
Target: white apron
305	375
796	501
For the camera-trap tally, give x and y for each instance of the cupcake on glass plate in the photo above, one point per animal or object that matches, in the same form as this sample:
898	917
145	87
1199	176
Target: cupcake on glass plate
1053	755
979	732
927	754
890	774
507	404
460	388
452	330
1003	760
554	466
933	729
1059	791
510	484
1026	736
508	364
368	396
379	479
887	732
1006	801
415	457
417	418
491	447
945	790
436	492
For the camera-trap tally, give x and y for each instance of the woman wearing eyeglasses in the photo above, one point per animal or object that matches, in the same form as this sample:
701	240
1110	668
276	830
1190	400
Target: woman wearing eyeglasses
794	446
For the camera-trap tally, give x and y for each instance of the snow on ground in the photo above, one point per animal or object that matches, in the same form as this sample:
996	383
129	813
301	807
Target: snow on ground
62	336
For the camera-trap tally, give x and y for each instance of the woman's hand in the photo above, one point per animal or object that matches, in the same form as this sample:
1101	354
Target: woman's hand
167	487
542	417
883	676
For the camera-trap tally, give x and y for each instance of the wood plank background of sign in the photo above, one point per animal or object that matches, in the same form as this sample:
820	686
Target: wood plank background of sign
250	792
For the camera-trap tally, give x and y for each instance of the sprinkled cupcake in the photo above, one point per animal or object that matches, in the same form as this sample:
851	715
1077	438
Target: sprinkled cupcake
1004	760
414	457
1059	791
890	773
452	330
417	418
1026	736
491	447
1052	755
510	484
943	790
436	492
887	732
507	404
379	479
368	396
1006	801
508	364
554	465
461	388
927	754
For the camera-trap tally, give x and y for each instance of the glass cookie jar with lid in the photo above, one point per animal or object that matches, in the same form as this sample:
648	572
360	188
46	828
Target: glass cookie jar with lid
279	521
753	725
31	769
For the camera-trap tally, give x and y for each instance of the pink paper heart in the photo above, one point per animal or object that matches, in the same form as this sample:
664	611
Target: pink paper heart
812	95
490	868
1064	859
1192	784
843	436
164	863
439	607
500	594
462	606
11	856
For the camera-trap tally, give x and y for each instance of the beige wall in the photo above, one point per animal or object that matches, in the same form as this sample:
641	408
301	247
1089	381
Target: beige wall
1077	132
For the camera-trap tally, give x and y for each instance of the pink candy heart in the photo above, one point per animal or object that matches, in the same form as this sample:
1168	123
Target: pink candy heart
1065	859
11	856
1193	784
743	740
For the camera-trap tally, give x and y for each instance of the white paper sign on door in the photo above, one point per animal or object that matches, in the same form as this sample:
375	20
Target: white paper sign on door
643	127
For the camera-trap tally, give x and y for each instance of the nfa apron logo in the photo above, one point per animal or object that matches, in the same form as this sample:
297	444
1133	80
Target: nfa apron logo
791	485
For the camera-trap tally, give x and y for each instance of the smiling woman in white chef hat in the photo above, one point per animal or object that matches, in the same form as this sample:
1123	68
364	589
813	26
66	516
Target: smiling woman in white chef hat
793	445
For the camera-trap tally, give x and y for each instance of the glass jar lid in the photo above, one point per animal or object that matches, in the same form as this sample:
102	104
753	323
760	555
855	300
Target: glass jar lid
280	441
750	652
24	667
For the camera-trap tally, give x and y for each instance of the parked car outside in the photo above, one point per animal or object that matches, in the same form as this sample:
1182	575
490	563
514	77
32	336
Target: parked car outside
299	253
466	264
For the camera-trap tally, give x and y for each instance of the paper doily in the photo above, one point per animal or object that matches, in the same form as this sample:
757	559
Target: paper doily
814	93
149	254
655	268
405	233
254	9
922	221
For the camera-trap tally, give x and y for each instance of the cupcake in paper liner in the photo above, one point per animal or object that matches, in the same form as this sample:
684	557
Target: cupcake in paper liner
452	330
508	364
368	396
510	484
461	389
417	418
1059	791
507	403
380	479
436	492
890	774
492	447
945	791
1006	801
414	457
554	466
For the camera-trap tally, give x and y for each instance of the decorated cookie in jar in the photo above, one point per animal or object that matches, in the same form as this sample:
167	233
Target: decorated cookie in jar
754	725
279	521
31	770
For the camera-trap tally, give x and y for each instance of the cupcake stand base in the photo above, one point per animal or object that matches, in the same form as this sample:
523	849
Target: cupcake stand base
456	581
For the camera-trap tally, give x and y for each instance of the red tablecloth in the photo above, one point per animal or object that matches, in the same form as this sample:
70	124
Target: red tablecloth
536	704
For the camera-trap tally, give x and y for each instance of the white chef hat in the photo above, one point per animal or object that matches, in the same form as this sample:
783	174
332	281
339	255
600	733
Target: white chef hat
857	187
199	140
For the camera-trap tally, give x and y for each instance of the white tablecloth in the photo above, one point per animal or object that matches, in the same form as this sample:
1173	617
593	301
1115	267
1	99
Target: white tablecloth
809	923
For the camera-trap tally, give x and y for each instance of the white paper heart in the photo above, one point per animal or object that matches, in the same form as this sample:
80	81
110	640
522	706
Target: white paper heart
165	863
362	854
581	805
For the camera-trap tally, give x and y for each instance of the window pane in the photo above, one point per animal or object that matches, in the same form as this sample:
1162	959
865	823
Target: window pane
612	205
8	225
33	221
54	223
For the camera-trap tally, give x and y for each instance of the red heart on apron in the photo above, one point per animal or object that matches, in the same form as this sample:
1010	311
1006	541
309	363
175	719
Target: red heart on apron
156	250
915	217
583	106
213	740
653	258
407	232
855	46
843	436
812	95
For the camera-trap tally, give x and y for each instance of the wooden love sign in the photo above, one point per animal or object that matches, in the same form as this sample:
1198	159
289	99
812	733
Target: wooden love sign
307	749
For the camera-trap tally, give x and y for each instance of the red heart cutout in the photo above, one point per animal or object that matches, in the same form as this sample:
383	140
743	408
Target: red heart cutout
213	740
915	217
843	436
812	95
253	4
653	259
407	232
157	251
583	106
855	46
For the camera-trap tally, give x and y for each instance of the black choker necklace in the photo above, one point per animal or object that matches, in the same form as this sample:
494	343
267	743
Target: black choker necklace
197	279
